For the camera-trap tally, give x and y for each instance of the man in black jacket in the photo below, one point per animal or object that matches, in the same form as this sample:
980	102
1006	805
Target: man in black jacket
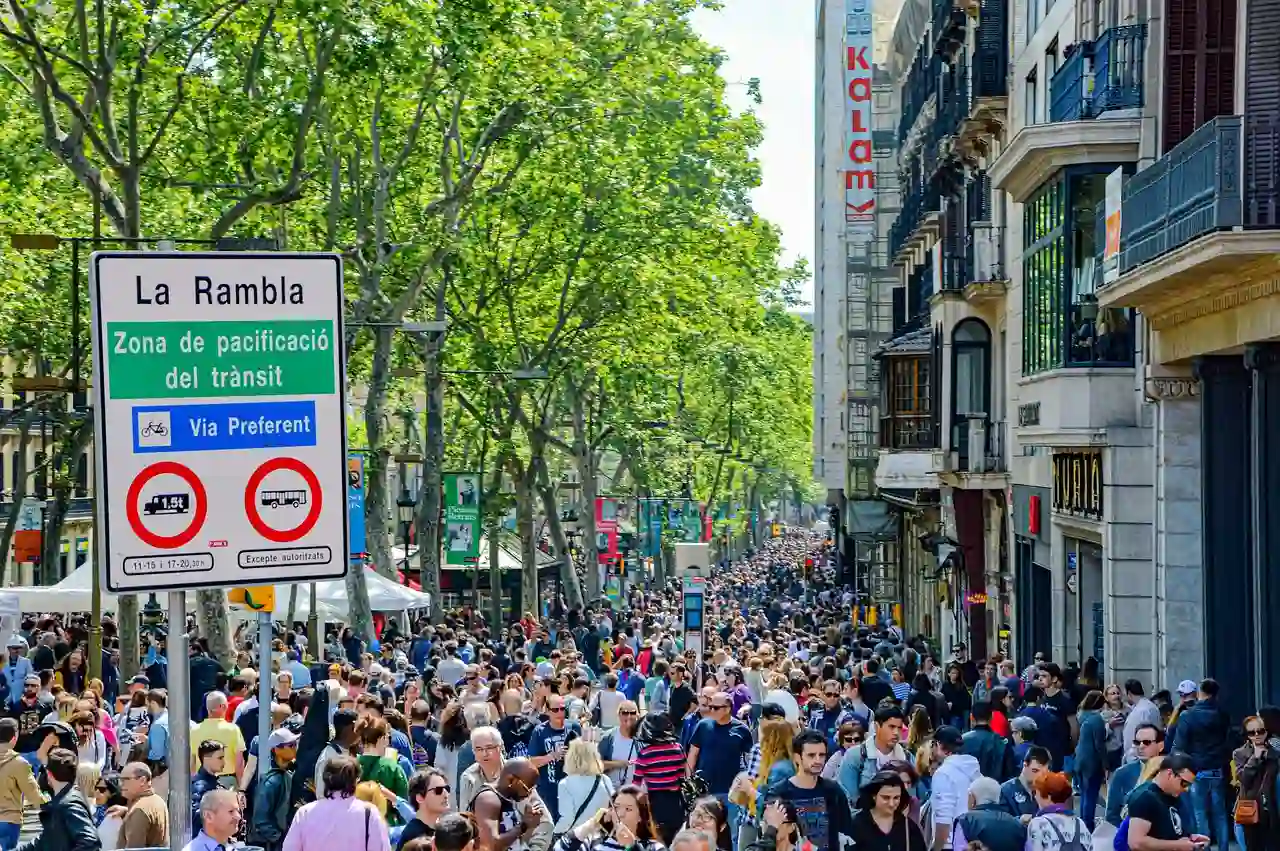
994	755
66	824
987	821
1203	735
271	813
204	677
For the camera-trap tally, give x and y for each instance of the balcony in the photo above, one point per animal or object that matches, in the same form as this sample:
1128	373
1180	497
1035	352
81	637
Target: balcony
953	99
976	459
1100	76
1200	241
918	90
1093	114
917	221
948	26
987	280
988	72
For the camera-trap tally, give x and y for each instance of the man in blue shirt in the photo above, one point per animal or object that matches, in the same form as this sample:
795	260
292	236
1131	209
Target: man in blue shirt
719	744
218	823
158	731
547	746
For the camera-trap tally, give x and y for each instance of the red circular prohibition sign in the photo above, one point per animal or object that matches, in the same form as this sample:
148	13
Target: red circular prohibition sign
282	536
160	468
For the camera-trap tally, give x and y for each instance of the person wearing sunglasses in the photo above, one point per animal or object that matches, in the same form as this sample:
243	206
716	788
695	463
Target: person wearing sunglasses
1257	765
1148	744
547	746
1154	813
429	798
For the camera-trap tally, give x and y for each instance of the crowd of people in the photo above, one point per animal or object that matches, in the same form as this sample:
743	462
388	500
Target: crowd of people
794	728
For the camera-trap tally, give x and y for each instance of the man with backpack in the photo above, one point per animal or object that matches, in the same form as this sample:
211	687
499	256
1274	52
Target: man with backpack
864	761
423	743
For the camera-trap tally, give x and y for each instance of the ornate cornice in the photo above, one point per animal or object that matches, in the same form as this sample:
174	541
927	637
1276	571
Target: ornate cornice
1168	389
1237	296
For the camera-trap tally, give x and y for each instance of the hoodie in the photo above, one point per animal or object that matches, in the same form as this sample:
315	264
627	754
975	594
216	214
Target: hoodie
950	796
16	783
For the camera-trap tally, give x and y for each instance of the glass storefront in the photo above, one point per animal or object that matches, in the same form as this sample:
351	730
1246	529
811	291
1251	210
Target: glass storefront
1085	615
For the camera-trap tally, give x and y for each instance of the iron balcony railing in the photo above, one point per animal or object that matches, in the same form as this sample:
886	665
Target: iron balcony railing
1068	92
1100	76
984	253
978	442
953	98
1118	58
906	431
948	26
919	201
1194	189
920	85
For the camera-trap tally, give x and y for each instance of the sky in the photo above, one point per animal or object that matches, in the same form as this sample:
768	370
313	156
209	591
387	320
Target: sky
774	41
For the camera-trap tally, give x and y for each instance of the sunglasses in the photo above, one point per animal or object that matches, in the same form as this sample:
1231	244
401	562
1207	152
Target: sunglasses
1257	732
555	709
101	788
1141	742
719	706
1185	783
439	790
627	712
831	694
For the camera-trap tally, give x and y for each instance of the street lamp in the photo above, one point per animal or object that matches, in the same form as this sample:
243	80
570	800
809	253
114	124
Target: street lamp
152	612
407	503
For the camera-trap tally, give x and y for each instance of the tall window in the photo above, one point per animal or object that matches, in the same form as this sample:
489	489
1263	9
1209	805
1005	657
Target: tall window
907	423
971	349
1062	324
1043	277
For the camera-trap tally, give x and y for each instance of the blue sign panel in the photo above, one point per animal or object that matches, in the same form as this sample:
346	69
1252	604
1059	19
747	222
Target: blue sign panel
355	503
236	425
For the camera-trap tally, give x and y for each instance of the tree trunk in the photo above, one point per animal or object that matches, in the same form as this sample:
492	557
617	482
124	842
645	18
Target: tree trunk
127	624
429	501
495	577
377	505
292	611
215	624
568	576
585	458
528	547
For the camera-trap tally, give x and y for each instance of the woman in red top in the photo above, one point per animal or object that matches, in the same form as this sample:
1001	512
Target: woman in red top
1001	706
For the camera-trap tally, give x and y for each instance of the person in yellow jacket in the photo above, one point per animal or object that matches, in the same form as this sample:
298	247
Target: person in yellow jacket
17	785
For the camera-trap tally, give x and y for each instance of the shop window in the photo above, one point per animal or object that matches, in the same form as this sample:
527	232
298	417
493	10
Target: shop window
907	423
1062	324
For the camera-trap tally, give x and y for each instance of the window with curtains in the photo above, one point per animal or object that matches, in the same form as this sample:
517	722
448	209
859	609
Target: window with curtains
907	422
971	349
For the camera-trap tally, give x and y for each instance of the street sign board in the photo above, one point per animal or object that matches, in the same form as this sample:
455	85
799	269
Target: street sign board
220	416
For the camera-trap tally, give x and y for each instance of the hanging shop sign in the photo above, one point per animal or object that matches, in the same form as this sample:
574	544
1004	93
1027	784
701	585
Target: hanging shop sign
859	166
1077	483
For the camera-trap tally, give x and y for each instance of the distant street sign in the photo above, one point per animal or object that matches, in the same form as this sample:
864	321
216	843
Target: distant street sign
220	416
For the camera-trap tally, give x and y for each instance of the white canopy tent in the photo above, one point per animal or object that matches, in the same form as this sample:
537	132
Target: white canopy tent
75	592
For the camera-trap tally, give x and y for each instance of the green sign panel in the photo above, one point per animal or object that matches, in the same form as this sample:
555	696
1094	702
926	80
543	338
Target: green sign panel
160	360
461	518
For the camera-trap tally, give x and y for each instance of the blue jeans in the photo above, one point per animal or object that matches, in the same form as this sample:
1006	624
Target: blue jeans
1090	791
1209	800
9	836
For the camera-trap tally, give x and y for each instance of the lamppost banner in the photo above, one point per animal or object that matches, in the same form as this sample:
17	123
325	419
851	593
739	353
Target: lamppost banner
461	518
606	529
355	504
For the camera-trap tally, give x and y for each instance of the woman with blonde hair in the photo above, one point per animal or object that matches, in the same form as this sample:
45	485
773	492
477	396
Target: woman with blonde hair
585	790
87	776
919	731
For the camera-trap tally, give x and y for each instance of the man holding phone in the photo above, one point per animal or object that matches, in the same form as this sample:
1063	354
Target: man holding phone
1155	821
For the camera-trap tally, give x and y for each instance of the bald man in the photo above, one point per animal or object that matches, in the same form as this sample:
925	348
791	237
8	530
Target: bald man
510	814
720	743
219	729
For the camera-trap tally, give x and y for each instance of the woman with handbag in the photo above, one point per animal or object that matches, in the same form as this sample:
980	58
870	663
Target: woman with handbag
1257	812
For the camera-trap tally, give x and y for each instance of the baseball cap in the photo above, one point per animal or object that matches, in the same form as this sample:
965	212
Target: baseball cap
772	710
280	738
140	680
949	737
1187	687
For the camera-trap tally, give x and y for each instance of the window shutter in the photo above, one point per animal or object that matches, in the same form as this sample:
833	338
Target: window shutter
1262	114
1199	62
935	385
899	308
991	63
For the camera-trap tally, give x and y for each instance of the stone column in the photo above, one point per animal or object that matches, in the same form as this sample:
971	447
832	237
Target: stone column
1179	566
1128	574
1264	362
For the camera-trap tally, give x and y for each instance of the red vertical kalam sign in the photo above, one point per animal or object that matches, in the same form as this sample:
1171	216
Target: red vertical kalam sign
859	167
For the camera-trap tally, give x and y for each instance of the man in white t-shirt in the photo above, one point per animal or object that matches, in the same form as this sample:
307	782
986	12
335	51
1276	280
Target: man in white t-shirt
608	700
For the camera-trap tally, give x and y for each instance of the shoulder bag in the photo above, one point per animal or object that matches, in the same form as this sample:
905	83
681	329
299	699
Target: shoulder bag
581	809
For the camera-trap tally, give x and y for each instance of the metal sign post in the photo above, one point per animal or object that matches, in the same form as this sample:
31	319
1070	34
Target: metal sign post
179	729
264	693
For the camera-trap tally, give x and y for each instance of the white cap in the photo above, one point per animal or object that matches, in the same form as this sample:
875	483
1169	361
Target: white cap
281	738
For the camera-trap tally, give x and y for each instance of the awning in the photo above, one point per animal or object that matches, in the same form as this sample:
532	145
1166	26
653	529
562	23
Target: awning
912	498
870	520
